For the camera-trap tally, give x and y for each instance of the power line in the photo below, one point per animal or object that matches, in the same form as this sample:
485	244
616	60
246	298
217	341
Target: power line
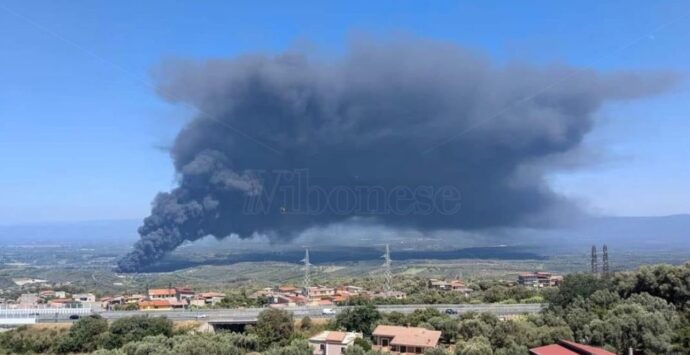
307	270
387	274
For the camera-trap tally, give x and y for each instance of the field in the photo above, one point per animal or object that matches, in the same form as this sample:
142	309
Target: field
91	269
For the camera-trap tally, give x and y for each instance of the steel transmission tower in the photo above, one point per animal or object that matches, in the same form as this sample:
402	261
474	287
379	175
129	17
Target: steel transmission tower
307	270
595	264
387	274
605	261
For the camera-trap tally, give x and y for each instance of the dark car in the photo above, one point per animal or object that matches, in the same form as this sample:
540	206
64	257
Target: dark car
451	311
74	317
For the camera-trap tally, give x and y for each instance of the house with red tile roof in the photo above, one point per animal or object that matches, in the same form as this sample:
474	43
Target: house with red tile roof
332	343
405	340
565	347
155	305
163	294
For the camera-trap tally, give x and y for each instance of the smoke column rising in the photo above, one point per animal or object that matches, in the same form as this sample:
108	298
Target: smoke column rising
369	118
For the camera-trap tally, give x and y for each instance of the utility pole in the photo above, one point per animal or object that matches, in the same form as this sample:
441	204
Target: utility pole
307	276
595	264
387	274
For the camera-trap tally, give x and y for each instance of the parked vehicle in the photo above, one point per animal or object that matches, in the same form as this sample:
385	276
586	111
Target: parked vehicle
74	317
328	312
451	311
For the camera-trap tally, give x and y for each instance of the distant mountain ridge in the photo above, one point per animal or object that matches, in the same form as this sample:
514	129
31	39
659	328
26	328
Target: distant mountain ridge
80	232
666	232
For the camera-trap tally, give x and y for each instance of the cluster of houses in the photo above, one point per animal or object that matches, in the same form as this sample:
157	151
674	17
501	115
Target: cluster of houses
387	338
290	296
452	286
539	279
164	299
411	340
52	299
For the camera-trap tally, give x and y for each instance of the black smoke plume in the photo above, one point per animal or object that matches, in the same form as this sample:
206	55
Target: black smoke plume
395	113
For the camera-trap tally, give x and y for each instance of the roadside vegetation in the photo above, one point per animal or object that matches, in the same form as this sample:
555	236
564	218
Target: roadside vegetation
647	310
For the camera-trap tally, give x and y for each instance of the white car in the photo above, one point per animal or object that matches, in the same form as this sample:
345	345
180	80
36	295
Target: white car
202	316
328	311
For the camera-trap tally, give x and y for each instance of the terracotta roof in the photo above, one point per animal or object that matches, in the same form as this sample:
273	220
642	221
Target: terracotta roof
61	300
162	291
155	303
336	337
553	349
211	294
409	336
565	347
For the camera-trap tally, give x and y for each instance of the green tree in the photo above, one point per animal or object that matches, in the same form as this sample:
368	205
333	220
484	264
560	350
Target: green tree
85	335
359	319
435	351
574	285
363	343
448	327
512	348
274	327
306	323
195	345
422	315
472	328
355	350
296	347
128	329
475	346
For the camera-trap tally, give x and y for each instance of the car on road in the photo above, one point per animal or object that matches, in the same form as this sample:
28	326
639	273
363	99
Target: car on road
74	317
451	311
328	312
201	316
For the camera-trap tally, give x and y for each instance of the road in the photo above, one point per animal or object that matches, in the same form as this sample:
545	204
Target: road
250	314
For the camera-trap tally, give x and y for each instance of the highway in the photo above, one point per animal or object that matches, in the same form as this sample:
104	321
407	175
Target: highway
250	314
246	315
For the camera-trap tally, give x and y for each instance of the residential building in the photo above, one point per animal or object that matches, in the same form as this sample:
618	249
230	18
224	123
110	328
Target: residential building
63	303
539	279
155	305
204	299
332	342
321	292
46	294
169	294
181	304
84	297
353	290
287	289
185	293
452	285
28	299
565	347
398	295
405	340
288	301
134	298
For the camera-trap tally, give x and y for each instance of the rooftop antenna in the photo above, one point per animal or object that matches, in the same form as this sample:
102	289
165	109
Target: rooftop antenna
605	261
387	274
595	265
307	276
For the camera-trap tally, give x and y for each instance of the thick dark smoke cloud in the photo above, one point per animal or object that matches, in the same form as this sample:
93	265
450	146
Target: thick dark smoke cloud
374	117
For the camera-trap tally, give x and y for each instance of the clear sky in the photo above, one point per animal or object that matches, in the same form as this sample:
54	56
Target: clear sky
83	134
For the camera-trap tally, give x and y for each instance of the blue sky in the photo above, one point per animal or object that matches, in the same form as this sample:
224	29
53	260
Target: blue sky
82	132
